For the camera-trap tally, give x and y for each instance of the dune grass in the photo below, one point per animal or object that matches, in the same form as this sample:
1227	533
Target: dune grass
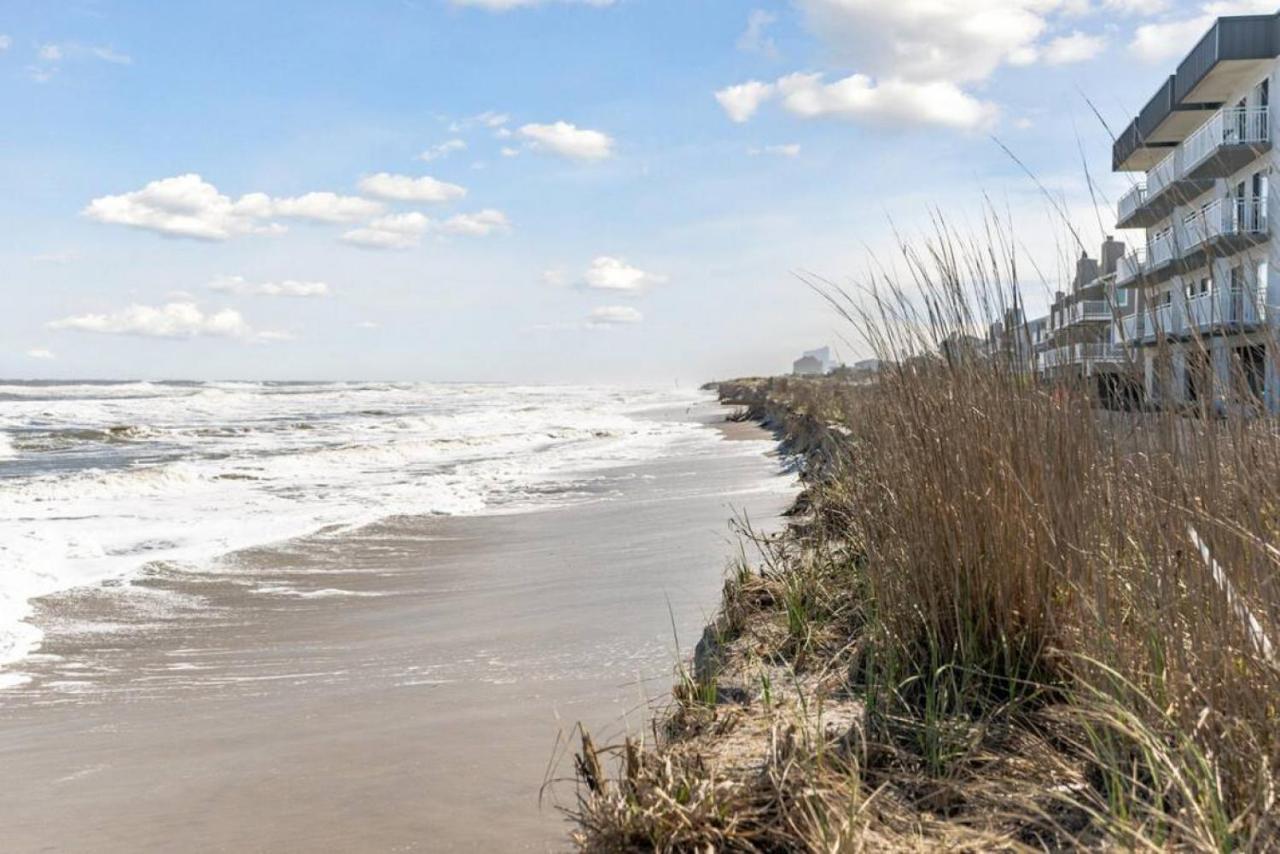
1000	618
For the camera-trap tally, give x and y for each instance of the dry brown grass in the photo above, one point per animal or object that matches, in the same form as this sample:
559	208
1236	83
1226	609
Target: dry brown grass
1035	625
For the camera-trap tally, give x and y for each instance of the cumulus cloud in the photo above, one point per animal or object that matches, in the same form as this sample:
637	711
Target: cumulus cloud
405	188
49	53
788	150
615	274
740	102
5	42
1158	42
41	353
614	315
480	224
1076	47
891	101
924	40
755	38
568	140
241	286
916	61
444	149
321	207
189	206
406	230
397	231
172	320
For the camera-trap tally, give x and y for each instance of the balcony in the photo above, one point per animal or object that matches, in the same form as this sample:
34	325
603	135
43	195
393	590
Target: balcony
1223	227
1232	51
1225	312
1225	144
1090	354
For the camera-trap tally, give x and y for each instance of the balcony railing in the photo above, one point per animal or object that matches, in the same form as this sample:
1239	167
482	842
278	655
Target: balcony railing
1082	354
1225	226
1163	174
1230	126
1232	138
1132	201
1132	265
1131	328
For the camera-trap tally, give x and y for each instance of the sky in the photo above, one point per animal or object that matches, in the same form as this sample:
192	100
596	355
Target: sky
618	191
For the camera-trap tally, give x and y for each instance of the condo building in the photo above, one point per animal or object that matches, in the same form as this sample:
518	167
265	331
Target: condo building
1196	293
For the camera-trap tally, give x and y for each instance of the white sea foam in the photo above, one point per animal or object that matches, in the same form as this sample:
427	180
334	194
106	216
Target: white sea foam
114	477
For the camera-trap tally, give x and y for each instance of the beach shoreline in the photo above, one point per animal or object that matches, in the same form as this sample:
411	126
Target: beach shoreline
400	687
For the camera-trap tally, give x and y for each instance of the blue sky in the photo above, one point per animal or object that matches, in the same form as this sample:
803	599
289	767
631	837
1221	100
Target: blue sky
521	190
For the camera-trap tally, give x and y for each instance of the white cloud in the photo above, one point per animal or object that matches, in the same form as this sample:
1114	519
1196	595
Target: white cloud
241	286
928	40
49	53
1137	7
742	101
568	140
614	315
404	188
915	60
182	206
5	42
324	207
788	150
397	231
41	353
444	149
172	320
479	224
107	54
554	277
367	324
1171	39
615	274
1076	47
189	206
507	5
755	38
405	231
510	152
890	101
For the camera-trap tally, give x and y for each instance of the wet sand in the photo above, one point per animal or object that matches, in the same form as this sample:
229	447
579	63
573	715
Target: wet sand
397	688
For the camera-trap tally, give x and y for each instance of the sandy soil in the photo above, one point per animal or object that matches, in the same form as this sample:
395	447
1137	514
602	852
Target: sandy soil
399	688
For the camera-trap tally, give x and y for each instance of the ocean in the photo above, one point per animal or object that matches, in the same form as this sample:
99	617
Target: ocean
99	480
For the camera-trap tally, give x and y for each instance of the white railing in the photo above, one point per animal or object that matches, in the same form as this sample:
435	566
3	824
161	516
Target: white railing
1131	265
1131	201
1163	174
1076	354
1168	318
1246	305
1229	126
1199	311
1161	250
1225	217
1131	327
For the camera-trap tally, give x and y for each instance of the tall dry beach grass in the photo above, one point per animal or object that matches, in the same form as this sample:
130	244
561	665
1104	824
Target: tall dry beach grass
1037	624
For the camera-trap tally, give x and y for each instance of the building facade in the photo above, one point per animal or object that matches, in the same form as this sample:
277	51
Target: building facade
1201	287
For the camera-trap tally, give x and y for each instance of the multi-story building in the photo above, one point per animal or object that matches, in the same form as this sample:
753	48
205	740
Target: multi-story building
1083	330
1202	284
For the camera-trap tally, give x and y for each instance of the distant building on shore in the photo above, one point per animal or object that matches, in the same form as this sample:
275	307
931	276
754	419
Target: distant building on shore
814	363
808	366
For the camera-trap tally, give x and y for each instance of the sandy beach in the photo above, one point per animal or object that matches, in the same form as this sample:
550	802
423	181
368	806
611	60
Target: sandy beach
397	688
